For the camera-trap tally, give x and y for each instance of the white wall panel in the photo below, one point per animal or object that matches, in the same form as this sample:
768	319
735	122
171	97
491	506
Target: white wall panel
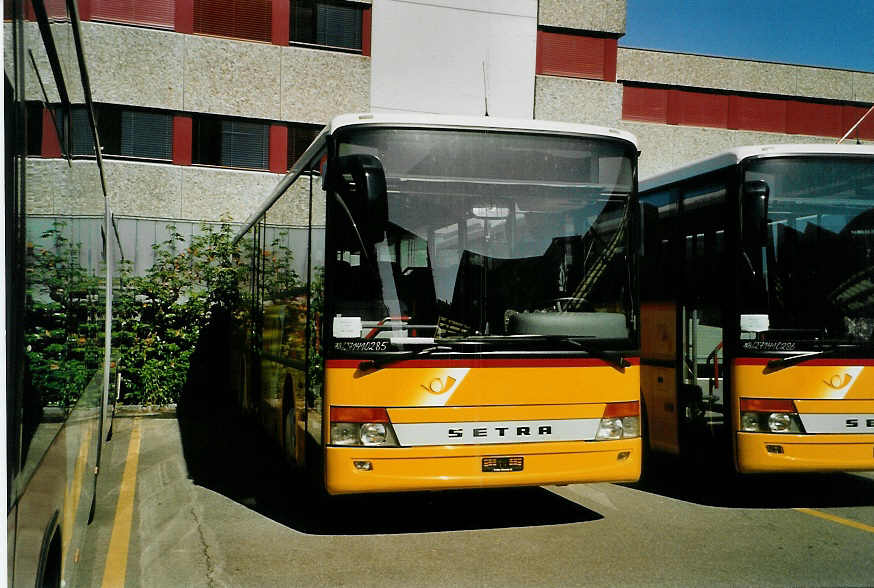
429	56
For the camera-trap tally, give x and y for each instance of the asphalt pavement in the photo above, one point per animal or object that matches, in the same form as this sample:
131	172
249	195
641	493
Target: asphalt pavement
206	501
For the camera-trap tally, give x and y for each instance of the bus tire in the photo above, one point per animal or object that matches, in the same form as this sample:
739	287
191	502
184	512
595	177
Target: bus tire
49	572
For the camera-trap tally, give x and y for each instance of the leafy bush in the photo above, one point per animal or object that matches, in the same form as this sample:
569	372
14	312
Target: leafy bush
159	316
64	334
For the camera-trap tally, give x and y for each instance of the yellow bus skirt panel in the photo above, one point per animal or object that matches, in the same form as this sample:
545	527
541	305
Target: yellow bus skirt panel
461	466
764	452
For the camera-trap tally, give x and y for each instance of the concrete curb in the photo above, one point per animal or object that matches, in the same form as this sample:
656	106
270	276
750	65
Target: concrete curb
167	411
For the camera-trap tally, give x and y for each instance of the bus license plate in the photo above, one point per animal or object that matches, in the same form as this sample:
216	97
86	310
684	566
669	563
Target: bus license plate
502	464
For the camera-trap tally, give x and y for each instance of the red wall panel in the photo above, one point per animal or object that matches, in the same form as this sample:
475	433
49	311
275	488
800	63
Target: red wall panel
85	7
242	19
366	26
810	118
699	109
281	22
759	114
851	115
182	139
577	56
722	110
184	16
158	13
278	149
610	51
51	145
644	104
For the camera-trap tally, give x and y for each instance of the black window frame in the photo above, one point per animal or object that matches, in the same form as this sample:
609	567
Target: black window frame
109	119
207	140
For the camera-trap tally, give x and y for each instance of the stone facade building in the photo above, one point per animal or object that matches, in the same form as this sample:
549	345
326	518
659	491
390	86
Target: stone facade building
203	104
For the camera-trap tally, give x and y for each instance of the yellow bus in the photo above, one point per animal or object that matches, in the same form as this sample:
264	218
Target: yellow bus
758	307
59	270
441	302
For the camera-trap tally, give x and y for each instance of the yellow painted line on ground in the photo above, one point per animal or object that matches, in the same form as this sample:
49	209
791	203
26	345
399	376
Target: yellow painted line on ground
73	494
836	519
119	542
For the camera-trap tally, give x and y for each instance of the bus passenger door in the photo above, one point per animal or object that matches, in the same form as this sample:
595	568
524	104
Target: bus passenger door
658	374
659	321
704	286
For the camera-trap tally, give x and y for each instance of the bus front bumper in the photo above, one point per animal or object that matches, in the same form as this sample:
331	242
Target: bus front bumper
362	469
764	452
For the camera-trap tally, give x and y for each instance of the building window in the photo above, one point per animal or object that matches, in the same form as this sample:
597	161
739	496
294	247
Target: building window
326	23
242	19
299	138
230	142
124	132
36	127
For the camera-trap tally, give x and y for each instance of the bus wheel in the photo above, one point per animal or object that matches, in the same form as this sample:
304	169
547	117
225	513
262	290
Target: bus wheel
51	567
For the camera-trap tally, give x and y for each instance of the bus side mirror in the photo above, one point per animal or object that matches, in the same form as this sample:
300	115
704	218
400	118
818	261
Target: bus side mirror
360	181
754	213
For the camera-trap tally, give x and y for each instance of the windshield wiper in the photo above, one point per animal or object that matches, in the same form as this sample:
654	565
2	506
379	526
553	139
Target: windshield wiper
775	365
393	356
614	358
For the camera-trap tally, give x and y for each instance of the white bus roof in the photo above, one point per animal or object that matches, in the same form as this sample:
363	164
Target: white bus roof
475	122
738	154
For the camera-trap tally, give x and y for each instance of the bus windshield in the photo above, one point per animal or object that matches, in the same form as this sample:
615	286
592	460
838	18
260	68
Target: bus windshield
815	269
502	237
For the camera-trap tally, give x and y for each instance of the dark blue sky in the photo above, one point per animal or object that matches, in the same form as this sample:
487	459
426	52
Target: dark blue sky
829	33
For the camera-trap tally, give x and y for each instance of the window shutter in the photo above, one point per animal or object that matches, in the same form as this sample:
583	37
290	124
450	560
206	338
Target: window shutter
146	134
83	142
244	144
245	19
302	29
253	19
158	13
338	26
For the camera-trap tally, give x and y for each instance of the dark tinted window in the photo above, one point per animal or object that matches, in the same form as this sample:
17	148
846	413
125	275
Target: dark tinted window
230	142
299	138
124	132
333	24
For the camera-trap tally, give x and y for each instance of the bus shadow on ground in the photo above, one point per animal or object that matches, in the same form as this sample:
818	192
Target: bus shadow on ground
717	484
235	459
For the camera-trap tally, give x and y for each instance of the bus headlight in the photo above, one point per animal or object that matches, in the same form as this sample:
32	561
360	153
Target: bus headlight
779	422
345	433
769	415
373	434
361	426
621	420
749	421
609	429
630	426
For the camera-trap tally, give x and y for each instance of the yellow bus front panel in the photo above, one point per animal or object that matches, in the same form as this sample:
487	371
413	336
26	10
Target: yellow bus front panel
826	405
484	424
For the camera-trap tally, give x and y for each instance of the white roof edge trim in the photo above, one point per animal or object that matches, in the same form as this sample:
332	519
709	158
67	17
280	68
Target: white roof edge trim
477	122
738	154
425	120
